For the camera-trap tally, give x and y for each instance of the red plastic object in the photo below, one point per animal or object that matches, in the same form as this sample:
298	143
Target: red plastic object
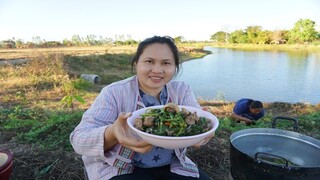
6	164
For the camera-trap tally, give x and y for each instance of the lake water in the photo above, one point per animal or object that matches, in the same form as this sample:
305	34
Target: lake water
268	76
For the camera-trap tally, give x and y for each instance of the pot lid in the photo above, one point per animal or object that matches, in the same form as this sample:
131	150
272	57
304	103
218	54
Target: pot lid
296	148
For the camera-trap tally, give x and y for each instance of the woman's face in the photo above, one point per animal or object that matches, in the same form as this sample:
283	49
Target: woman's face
155	68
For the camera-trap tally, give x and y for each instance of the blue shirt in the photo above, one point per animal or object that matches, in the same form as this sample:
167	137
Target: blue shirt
242	109
157	156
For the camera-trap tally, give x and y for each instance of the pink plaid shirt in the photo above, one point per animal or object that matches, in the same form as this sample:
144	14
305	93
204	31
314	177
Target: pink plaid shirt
88	137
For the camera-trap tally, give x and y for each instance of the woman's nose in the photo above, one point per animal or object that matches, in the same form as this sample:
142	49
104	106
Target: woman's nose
157	69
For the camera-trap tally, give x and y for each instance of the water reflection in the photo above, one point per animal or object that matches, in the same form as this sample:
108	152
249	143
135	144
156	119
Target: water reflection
301	55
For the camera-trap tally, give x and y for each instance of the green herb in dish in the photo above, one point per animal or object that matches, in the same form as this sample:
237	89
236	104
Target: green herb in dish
170	121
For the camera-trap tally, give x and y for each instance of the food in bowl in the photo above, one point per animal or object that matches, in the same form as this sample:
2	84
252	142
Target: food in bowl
174	142
171	121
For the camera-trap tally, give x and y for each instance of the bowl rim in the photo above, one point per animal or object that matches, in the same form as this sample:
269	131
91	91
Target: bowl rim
214	122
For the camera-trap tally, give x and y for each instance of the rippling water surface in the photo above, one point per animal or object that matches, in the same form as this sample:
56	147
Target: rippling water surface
269	76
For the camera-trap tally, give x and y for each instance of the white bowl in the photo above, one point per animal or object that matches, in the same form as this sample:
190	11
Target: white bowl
169	142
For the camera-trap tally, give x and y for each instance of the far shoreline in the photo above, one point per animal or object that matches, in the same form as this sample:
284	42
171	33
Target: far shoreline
279	47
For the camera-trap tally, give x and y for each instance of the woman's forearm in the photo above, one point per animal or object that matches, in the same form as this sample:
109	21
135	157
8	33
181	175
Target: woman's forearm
109	138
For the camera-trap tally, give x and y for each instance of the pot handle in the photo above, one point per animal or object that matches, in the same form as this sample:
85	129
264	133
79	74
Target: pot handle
295	121
270	155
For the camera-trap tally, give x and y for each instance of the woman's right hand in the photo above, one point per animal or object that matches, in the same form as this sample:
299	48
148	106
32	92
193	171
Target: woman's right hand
120	132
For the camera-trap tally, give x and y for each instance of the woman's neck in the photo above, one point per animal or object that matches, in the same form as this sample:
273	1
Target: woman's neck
155	92
152	93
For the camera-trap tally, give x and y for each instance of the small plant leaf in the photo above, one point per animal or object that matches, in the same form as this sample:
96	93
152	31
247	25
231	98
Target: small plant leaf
79	98
47	169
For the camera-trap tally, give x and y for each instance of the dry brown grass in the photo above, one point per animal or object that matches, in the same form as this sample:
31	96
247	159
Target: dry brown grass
8	54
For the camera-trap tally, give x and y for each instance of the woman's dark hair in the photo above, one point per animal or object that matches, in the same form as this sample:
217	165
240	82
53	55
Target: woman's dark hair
158	39
256	105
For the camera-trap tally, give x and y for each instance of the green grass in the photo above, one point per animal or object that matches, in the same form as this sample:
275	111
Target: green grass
308	124
47	130
51	129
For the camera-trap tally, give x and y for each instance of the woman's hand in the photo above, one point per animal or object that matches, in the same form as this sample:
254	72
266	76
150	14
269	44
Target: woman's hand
204	141
120	133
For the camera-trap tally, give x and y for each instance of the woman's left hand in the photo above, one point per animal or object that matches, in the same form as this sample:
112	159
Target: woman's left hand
204	141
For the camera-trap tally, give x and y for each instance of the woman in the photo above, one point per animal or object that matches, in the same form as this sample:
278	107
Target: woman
102	137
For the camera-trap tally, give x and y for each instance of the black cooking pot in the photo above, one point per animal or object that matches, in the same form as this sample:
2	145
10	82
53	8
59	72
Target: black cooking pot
267	153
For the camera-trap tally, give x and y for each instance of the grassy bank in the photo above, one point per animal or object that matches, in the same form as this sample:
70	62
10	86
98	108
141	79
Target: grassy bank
42	101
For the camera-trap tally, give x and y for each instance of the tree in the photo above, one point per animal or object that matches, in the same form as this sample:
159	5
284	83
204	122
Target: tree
8	44
37	40
238	36
219	36
76	40
19	43
91	40
178	39
303	32
279	37
264	37
66	43
253	33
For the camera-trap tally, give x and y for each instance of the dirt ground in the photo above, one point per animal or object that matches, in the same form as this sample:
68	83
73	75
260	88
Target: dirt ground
31	163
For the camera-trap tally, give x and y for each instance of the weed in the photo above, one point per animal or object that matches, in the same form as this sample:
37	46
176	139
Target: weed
48	130
75	90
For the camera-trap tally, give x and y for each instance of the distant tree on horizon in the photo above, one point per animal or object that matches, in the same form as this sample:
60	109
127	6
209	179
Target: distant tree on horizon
219	36
303	32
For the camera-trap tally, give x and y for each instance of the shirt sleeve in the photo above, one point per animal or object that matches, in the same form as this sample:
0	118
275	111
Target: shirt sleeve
189	99
240	108
88	137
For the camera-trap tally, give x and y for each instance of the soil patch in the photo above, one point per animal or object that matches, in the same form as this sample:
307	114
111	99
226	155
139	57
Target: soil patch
33	163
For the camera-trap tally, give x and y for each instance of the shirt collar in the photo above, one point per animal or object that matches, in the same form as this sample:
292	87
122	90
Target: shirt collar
149	100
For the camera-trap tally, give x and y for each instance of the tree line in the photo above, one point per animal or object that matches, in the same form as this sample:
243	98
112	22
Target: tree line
303	32
76	40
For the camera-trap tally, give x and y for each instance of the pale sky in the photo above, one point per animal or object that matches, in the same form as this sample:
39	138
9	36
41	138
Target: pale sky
55	20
